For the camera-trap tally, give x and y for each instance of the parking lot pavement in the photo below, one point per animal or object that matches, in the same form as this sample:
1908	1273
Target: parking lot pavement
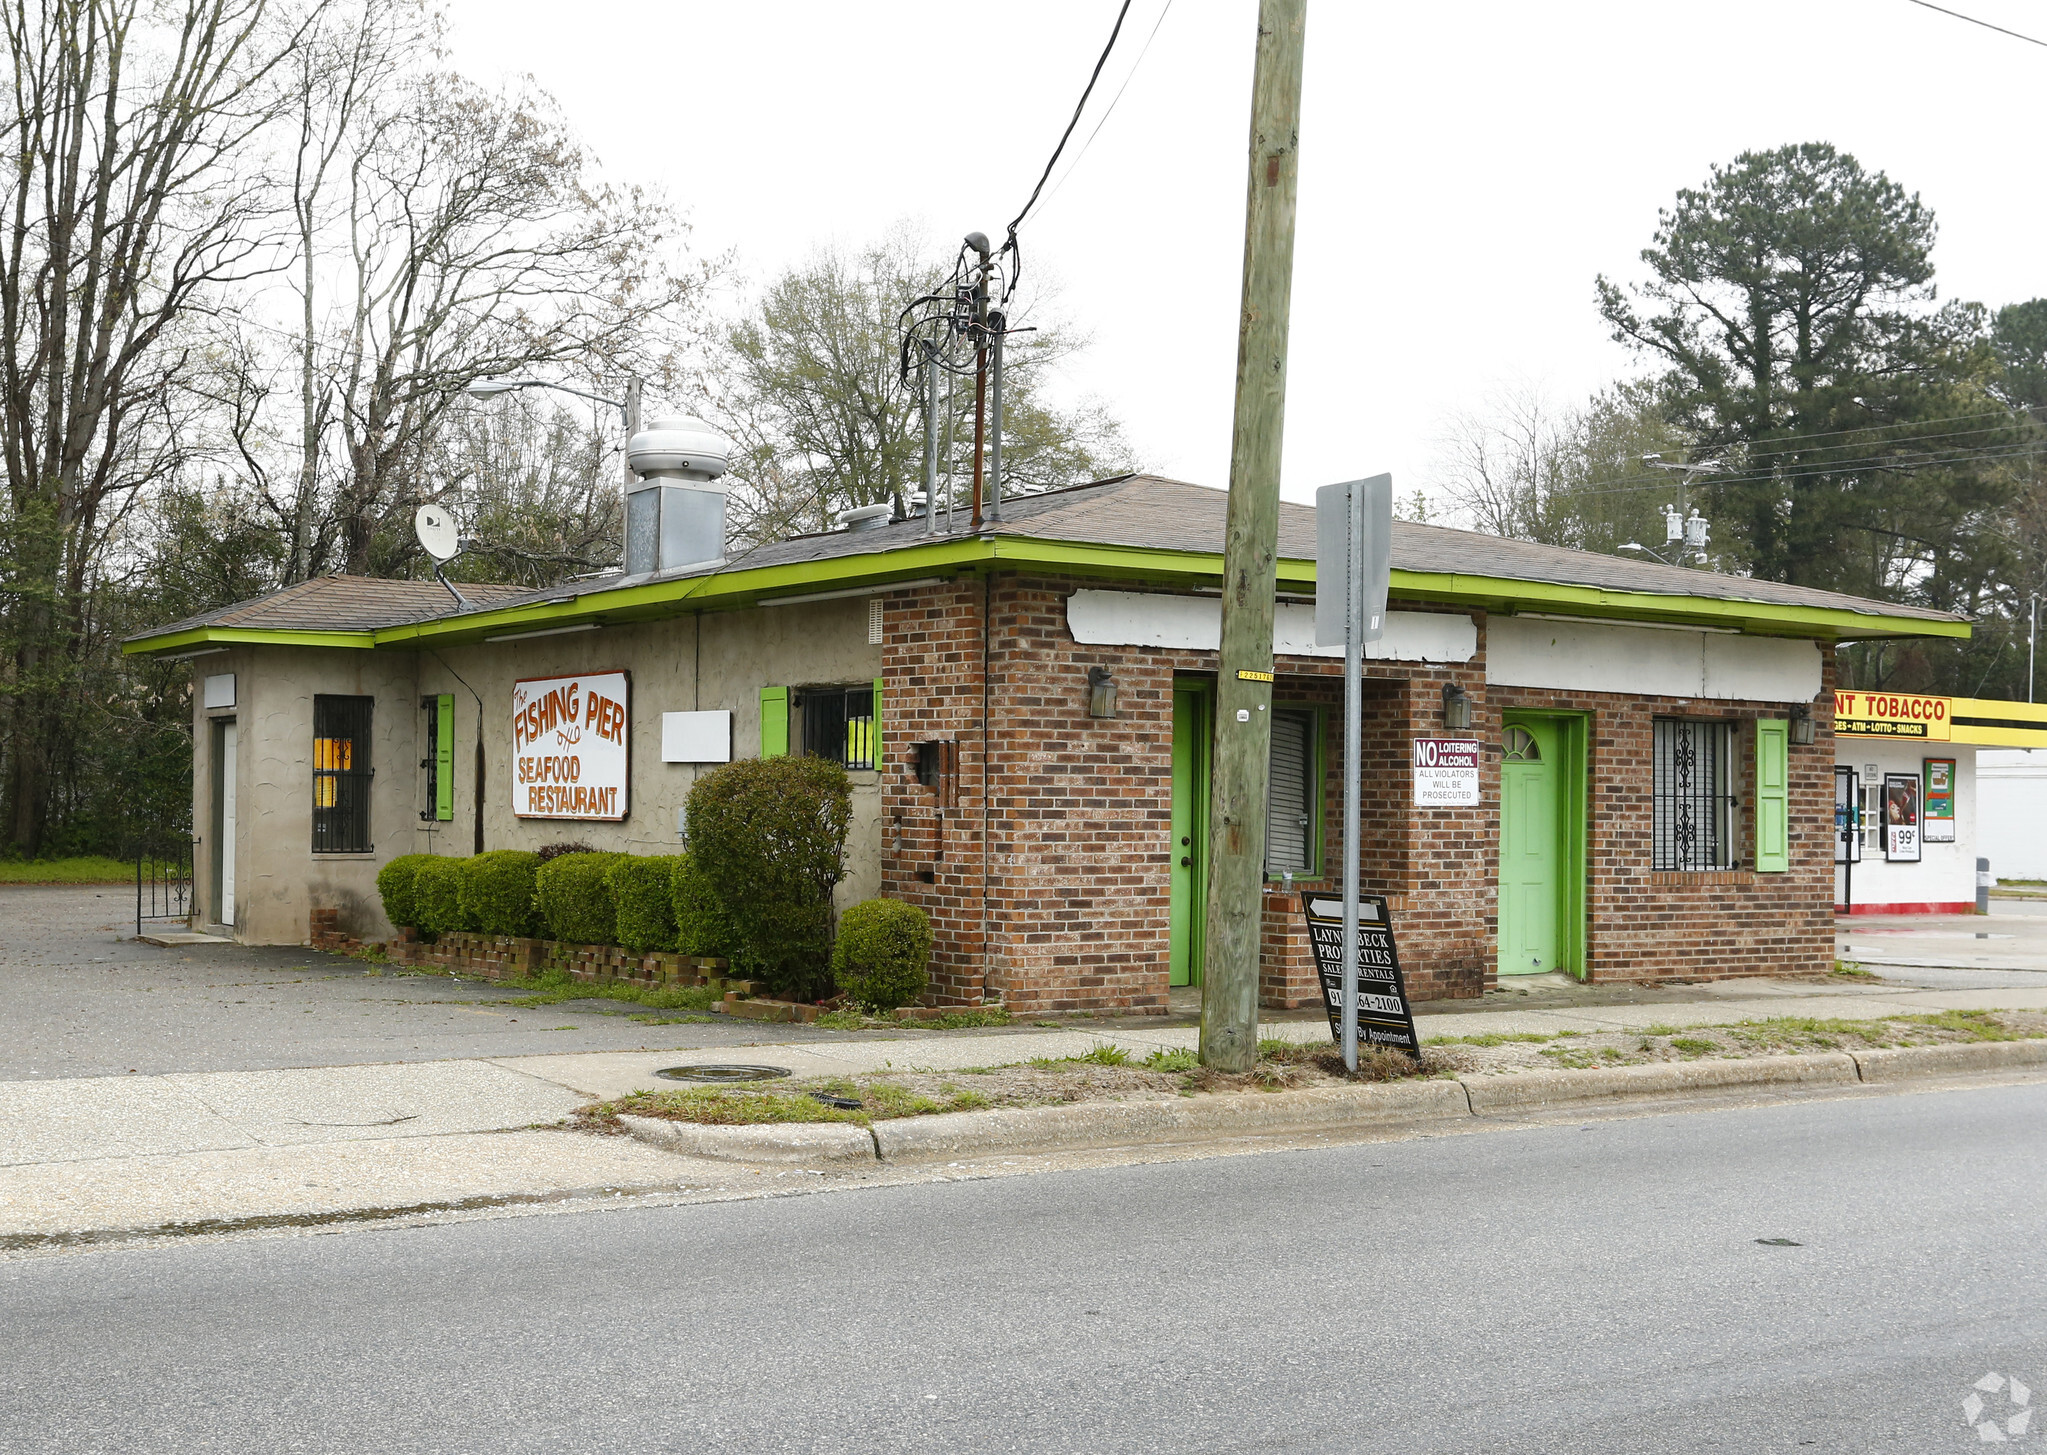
2006	948
79	997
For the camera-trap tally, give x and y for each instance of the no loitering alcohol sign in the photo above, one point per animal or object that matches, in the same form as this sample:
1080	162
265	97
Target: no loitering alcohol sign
1384	1018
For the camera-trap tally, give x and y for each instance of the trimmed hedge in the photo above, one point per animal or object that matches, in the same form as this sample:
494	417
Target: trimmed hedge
768	836
497	892
394	887
574	895
437	896
882	957
698	930
644	910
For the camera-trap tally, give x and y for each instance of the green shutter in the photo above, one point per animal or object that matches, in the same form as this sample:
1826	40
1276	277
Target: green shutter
444	757
774	722
1773	796
877	722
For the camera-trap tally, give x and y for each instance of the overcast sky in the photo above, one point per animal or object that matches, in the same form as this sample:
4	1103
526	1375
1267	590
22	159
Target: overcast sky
1466	170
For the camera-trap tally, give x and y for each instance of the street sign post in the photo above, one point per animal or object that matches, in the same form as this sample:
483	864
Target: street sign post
1353	568
1366	992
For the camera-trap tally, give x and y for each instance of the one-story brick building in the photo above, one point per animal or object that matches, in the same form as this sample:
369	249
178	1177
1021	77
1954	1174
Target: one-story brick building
1026	715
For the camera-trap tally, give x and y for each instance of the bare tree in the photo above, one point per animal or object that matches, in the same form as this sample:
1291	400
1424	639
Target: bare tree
130	206
806	379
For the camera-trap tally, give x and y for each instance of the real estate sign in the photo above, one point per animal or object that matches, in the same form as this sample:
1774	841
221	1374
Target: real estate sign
1384	1018
570	754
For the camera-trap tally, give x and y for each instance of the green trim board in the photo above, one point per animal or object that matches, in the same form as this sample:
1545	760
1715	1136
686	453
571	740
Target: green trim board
1773	795
444	757
740	587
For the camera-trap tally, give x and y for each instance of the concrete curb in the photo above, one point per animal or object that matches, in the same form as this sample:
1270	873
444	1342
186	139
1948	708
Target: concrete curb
1909	1061
1529	1089
1247	1114
773	1142
1115	1124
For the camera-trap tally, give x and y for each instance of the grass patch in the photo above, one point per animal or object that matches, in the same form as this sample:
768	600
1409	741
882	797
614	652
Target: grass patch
1693	1045
1849	970
555	986
1177	1059
1106	1054
855	1019
1496	1038
674	1020
79	869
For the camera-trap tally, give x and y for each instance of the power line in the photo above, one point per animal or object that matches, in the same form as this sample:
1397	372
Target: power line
1928	5
1009	243
1108	111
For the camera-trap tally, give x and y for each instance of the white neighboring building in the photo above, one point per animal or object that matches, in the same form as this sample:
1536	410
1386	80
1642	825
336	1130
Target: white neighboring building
1922	787
2013	831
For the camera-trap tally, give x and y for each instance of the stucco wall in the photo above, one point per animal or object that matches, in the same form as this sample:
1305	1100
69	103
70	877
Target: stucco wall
278	877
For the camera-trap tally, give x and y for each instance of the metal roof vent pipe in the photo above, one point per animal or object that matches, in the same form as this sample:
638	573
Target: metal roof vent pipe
867	517
675	511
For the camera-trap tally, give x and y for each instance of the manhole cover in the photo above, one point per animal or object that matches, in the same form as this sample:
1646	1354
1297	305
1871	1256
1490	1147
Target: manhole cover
722	1073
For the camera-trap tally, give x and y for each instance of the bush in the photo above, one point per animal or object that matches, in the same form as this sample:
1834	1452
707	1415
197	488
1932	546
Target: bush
768	837
437	896
645	908
694	909
883	954
575	898
394	887
497	892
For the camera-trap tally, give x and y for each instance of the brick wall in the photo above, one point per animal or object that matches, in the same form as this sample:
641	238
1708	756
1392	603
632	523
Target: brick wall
1074	817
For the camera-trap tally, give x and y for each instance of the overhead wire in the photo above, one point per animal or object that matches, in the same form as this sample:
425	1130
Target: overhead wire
2015	35
1109	110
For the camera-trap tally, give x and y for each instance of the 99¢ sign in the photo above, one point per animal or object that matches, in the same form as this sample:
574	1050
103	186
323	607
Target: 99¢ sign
569	745
1445	772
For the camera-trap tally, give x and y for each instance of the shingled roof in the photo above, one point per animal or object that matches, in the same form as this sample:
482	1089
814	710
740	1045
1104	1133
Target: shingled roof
339	604
1174	521
1150	512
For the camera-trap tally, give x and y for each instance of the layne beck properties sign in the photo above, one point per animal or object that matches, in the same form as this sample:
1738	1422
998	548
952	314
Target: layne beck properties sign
569	746
1892	715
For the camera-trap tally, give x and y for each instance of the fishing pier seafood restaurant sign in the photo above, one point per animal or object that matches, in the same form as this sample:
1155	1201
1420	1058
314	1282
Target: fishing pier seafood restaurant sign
569	746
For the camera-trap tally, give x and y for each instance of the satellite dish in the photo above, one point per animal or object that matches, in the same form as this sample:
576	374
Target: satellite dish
436	531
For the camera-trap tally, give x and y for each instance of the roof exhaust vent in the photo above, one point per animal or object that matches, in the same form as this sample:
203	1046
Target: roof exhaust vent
867	517
675	512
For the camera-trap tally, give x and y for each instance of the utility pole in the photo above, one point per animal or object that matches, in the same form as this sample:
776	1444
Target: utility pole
1243	718
2032	640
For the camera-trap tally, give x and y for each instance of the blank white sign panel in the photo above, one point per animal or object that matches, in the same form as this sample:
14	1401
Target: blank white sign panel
696	737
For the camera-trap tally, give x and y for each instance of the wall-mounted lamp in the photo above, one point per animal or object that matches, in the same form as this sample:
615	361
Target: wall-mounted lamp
1101	693
1801	723
1456	707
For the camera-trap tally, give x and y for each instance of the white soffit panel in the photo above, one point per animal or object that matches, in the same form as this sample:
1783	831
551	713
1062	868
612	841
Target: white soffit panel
220	690
696	737
1649	661
1195	623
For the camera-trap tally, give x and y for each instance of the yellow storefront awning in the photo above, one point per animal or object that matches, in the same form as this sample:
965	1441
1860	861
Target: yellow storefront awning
1981	721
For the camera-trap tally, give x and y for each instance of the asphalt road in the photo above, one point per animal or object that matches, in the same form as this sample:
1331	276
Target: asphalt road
1561	1288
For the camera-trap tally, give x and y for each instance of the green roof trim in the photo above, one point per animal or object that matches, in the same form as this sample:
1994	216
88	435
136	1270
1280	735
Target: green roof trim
738	586
205	636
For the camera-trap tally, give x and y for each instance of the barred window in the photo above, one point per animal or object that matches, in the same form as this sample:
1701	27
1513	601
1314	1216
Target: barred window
1693	807
341	774
1290	803
838	723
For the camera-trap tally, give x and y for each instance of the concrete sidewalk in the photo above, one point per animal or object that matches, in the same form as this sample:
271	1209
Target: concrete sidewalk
94	1156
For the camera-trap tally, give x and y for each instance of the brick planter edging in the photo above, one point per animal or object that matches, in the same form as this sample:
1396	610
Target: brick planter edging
514	957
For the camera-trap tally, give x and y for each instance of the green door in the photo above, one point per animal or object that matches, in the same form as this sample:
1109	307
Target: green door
1531	867
1191	748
